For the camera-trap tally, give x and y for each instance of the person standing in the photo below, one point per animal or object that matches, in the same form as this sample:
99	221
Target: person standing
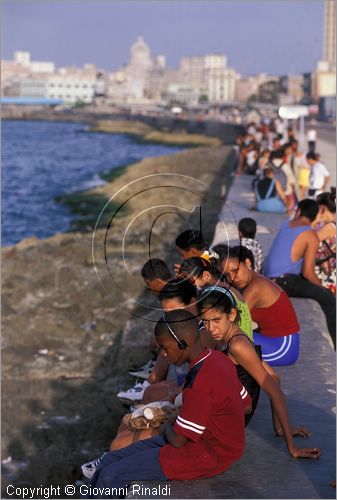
311	138
319	175
301	169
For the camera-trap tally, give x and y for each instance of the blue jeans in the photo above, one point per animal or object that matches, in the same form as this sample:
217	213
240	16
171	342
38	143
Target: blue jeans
139	461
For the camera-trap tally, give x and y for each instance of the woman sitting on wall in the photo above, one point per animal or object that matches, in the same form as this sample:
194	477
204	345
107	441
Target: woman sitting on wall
269	194
270	308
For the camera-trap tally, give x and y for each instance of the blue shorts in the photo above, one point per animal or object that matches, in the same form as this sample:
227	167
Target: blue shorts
279	351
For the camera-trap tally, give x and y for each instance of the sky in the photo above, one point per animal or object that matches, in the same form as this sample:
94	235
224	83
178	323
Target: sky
272	36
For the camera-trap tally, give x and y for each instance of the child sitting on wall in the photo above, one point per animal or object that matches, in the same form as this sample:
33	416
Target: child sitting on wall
247	232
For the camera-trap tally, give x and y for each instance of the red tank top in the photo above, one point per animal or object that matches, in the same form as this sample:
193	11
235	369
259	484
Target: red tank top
277	320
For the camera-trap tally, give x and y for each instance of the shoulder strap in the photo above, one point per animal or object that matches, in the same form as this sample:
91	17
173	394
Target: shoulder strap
255	346
241	335
270	189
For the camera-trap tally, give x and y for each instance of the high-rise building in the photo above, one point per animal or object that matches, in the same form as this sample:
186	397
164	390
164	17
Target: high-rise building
329	51
324	76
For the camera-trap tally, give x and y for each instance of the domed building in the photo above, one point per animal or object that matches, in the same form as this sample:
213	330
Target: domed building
137	70
140	55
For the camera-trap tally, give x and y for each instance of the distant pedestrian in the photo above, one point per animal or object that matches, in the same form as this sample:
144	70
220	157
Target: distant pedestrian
319	175
311	138
301	169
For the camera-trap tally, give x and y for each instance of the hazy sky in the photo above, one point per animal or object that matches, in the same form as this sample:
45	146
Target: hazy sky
271	36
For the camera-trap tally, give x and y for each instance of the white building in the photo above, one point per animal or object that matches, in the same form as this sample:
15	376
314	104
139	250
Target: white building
221	84
181	94
32	87
137	71
24	59
71	89
210	76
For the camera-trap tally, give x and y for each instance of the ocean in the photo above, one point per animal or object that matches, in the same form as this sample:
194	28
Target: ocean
41	160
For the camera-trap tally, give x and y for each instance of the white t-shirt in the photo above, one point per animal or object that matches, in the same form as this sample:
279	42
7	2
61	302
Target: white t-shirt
311	135
251	158
317	176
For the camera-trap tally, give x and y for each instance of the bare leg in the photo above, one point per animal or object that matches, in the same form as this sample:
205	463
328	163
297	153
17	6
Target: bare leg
276	422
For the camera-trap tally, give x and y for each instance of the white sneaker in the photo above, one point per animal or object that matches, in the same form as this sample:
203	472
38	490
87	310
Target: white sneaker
143	371
135	393
88	469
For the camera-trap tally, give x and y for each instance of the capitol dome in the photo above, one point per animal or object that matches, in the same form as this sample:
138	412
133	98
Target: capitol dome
140	54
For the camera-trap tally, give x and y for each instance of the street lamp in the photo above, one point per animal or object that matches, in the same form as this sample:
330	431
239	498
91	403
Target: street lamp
295	113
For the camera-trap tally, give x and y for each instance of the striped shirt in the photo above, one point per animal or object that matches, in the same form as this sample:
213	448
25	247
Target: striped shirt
255	247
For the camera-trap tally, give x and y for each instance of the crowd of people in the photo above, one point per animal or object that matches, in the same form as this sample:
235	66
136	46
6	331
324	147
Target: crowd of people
283	174
227	321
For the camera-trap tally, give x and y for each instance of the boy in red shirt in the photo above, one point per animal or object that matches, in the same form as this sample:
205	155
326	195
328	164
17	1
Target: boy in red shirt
208	433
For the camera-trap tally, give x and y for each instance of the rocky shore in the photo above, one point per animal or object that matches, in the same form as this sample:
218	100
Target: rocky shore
76	316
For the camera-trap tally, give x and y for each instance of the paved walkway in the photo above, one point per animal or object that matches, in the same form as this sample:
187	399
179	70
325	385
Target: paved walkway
266	470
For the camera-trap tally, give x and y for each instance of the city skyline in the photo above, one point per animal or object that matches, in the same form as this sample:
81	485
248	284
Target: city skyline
67	32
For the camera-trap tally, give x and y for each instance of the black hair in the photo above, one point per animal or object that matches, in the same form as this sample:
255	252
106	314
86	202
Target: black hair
194	267
241	253
183	324
267	171
328	200
156	268
216	299
276	155
222	250
178	288
308	208
247	227
311	156
190	238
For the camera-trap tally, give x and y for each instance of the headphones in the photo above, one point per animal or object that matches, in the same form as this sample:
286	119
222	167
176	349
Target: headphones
182	344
